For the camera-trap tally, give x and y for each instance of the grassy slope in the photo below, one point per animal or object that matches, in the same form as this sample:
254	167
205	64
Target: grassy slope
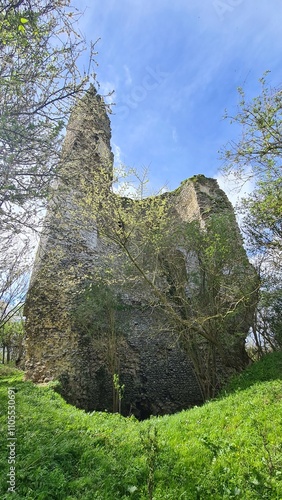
229	448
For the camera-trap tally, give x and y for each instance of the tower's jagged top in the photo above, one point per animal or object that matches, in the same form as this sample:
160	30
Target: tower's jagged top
88	136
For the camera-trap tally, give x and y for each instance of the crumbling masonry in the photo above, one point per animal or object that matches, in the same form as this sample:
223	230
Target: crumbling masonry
155	375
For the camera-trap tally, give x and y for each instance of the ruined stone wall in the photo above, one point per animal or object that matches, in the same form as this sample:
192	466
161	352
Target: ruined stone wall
152	363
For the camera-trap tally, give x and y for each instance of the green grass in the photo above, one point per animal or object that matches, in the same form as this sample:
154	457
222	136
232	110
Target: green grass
268	368
228	448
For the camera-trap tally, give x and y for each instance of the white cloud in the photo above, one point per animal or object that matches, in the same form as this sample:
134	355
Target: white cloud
174	135
117	155
123	184
106	89
128	77
234	188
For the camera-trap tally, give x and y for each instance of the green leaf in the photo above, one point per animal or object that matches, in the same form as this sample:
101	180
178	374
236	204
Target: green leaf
24	20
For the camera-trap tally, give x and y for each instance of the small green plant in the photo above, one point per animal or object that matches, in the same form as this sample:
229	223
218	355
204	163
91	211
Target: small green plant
118	393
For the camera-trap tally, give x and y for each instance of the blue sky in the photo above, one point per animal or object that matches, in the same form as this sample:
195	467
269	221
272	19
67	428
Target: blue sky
175	68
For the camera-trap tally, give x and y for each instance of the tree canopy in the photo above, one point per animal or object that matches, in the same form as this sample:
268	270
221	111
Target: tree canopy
41	74
39	78
257	155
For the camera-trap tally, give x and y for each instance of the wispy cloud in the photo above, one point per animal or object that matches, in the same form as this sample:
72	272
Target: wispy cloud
118	156
174	123
234	188
128	77
107	90
174	135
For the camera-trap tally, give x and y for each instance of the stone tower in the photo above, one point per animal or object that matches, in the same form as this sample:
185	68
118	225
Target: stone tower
154	372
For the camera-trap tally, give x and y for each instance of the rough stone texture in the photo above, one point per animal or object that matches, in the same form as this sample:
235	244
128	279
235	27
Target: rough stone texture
153	366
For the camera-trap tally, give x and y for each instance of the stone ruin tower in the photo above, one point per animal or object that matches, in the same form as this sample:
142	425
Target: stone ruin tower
155	374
